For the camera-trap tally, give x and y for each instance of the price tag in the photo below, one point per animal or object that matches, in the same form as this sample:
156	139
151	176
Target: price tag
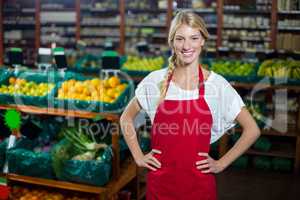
142	47
60	58
15	57
44	58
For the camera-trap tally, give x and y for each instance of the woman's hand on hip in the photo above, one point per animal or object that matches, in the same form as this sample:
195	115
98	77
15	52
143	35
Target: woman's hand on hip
208	164
149	161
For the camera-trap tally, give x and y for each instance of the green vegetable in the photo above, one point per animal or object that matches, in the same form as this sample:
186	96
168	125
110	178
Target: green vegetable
77	145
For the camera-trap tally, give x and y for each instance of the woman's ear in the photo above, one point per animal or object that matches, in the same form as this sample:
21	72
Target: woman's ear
202	42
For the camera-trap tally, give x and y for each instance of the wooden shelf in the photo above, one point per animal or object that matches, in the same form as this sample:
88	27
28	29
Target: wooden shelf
2	175
128	172
247	28
147	25
60	112
283	28
263	86
246	12
278	149
113	24
138	10
289	12
55	184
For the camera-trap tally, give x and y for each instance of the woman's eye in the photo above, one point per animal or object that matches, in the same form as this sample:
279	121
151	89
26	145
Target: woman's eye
195	38
178	39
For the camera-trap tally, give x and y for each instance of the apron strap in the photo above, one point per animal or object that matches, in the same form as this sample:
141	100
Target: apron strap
201	82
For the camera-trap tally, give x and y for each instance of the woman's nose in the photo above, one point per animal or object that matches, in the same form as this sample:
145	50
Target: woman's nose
186	45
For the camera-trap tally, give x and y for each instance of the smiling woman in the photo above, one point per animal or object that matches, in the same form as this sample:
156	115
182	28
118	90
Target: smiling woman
189	108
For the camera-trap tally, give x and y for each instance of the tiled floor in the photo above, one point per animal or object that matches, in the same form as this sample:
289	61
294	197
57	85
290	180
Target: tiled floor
251	184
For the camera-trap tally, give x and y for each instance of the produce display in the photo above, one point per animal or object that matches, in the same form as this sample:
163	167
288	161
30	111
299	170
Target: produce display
280	68
106	90
21	193
88	61
233	68
255	111
143	64
76	153
18	86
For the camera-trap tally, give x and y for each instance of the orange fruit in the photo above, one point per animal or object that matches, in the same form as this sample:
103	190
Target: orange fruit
110	92
12	80
121	87
113	81
95	82
107	99
65	87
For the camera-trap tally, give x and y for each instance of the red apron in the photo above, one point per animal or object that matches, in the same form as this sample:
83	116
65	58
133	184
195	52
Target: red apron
181	129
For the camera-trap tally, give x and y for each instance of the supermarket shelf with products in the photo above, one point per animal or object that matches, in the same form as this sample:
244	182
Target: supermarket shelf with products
128	173
18	26
88	12
121	174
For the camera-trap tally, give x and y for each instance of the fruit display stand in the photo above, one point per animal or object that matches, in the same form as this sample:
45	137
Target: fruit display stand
121	174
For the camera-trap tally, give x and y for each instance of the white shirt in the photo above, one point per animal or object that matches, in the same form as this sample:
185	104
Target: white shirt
222	99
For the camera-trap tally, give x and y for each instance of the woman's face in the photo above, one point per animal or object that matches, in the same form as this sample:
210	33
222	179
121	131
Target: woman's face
188	43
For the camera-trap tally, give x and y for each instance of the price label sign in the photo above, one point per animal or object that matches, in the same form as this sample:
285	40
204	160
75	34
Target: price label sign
44	57
15	57
60	58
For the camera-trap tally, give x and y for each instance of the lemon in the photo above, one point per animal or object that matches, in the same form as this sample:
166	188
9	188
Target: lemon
113	81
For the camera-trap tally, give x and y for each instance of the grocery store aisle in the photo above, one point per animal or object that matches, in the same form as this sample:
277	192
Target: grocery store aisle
250	184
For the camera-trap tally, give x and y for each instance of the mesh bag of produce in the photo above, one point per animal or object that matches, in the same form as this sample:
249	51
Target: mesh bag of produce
31	156
282	164
241	162
262	144
94	172
262	162
30	163
3	146
88	63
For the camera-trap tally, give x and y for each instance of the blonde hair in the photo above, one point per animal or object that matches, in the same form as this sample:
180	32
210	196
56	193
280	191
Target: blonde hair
182	17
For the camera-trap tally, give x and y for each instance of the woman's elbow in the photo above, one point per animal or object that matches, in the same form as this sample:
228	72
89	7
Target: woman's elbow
123	119
256	131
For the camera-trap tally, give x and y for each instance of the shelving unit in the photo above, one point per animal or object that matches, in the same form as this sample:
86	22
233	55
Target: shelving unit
58	23
147	22
288	35
121	174
100	22
85	14
289	149
18	22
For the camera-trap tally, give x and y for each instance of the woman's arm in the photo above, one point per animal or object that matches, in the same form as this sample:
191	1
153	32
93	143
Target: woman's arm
249	135
128	130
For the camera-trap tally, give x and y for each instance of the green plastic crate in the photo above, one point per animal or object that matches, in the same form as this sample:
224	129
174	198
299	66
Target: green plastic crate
92	172
40	101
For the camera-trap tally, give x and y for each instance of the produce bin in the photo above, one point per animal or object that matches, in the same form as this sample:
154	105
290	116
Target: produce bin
92	172
96	106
